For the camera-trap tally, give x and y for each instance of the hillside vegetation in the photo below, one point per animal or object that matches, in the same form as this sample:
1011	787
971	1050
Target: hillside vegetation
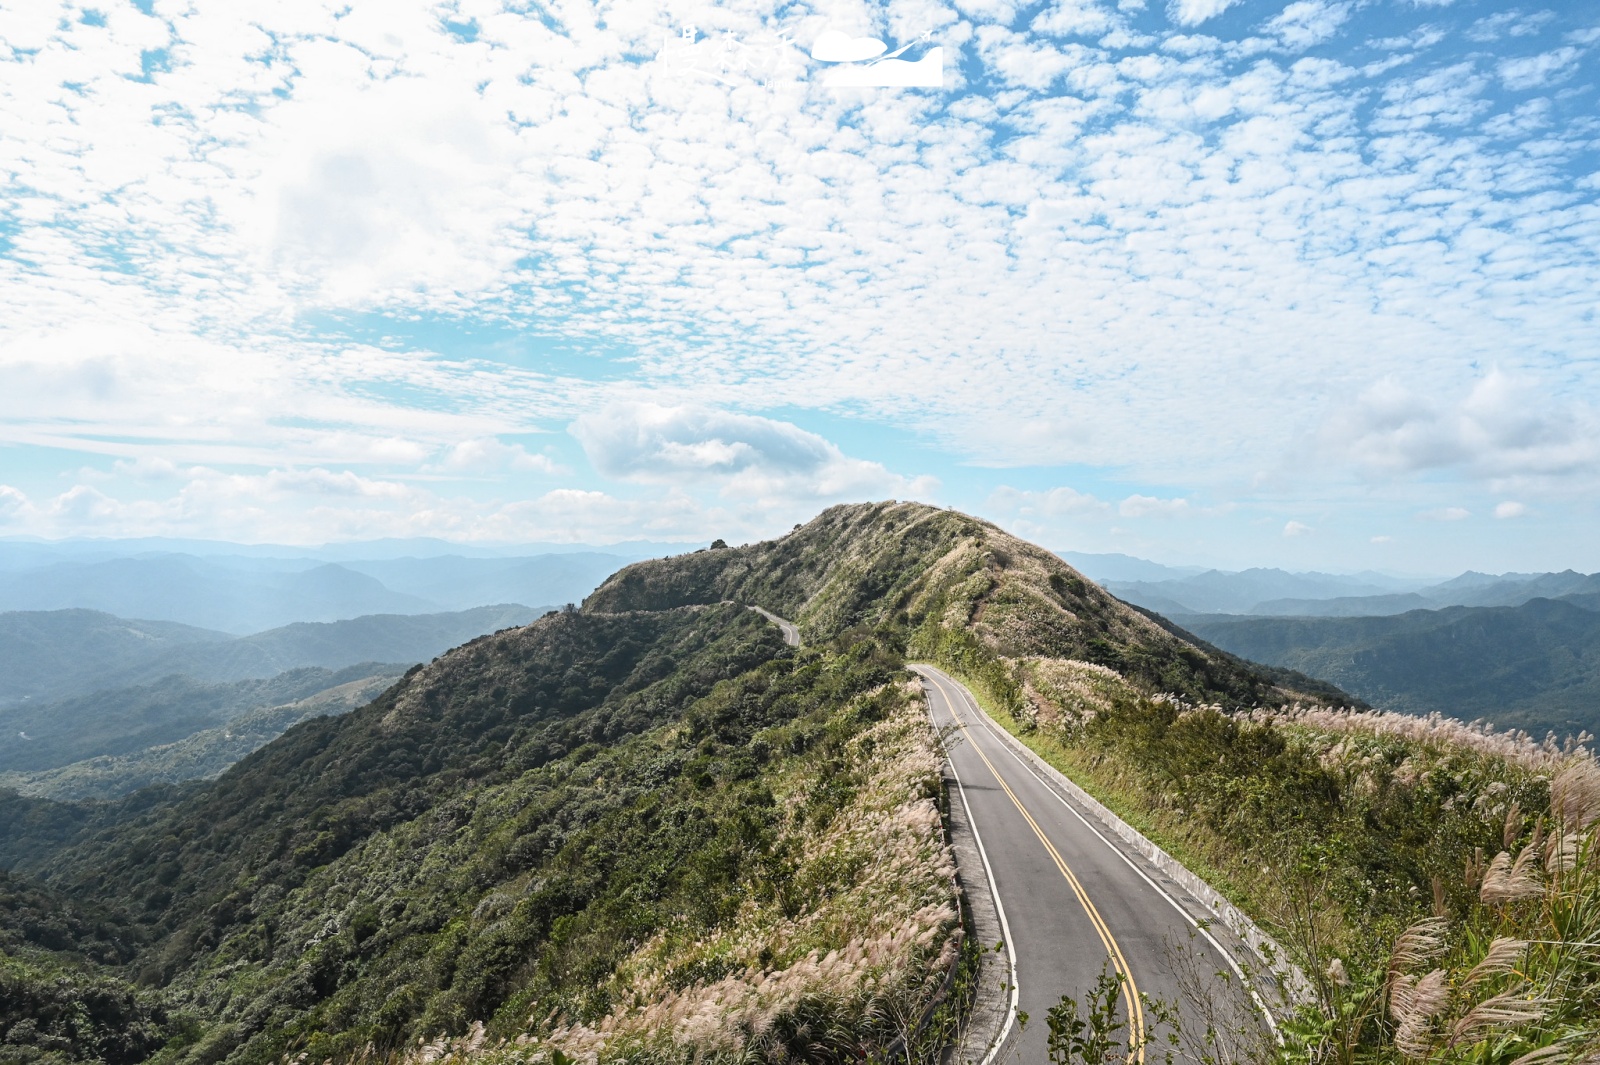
645	830
511	836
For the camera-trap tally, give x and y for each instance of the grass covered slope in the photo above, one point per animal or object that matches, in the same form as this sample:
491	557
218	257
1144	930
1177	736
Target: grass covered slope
1439	883
572	832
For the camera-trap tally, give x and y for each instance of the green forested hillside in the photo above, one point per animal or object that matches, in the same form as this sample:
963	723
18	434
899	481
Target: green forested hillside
209	751
402	870
47	654
1534	666
42	736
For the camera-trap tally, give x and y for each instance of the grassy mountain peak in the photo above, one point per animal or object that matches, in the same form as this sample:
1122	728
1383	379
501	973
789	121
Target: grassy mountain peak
948	576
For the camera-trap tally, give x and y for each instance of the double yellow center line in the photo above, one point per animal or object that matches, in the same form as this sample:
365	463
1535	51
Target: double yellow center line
1130	990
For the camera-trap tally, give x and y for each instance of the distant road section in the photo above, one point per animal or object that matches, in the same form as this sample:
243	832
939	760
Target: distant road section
1073	900
791	632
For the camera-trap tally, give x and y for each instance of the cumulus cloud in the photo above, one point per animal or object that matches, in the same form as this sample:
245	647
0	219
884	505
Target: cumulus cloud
742	453
1510	509
1296	528
1504	427
1070	18
1445	514
12	504
1178	229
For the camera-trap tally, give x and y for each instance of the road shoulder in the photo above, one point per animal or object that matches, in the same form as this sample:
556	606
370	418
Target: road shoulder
985	1021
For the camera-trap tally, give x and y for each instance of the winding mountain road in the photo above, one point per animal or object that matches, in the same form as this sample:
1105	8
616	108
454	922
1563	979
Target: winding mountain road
791	631
1070	901
1073	900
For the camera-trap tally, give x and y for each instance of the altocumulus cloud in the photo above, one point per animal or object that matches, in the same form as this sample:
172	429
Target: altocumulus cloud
741	453
1186	208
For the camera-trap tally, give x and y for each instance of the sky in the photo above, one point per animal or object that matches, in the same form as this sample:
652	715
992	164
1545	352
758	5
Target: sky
1218	282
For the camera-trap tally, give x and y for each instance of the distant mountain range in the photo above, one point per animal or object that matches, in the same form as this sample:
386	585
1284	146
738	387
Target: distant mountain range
242	718
1519	649
49	655
1534	666
93	705
1280	593
123	664
242	594
39	736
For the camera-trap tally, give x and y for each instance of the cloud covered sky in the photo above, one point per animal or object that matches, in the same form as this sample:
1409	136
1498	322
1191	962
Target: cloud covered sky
1222	281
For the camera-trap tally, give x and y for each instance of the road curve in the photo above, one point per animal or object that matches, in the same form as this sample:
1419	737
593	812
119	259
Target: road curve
1073	901
791	631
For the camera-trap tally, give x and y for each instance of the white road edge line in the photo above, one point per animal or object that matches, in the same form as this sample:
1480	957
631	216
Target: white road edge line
1187	916
994	892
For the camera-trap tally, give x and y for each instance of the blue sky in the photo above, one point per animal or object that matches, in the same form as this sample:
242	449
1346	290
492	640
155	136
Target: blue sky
1309	284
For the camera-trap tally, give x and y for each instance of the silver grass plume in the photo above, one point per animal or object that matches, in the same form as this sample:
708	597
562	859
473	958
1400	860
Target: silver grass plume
1421	943
1503	956
1575	795
1561	852
1513	827
1510	1008
1414	1004
1544	1055
1506	881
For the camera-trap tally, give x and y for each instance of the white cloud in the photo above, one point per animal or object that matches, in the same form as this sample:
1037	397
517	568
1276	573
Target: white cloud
1295	528
1174	236
1382	540
1535	71
1143	506
1194	12
1445	514
1052	503
490	455
1510	509
12	504
744	455
1307	22
1504	427
1512	23
1074	18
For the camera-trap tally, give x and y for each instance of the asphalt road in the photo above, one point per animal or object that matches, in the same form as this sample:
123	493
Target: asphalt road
791	632
1074	903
